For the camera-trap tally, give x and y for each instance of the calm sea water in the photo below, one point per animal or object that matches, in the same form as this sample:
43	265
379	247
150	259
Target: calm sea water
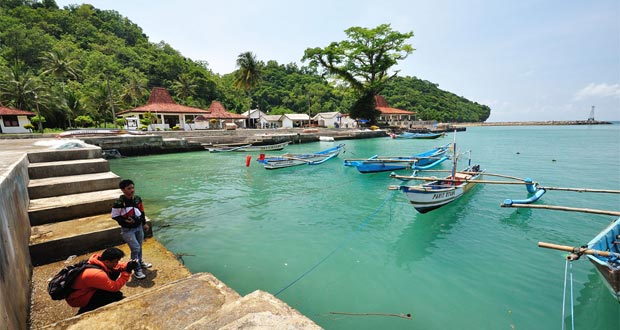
328	239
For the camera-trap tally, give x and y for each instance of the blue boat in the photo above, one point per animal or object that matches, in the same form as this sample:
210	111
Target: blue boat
424	160
409	135
288	160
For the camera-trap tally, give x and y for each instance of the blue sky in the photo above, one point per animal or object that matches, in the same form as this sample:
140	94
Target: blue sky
528	60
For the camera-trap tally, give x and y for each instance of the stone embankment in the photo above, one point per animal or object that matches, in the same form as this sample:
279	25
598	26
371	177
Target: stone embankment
54	205
535	123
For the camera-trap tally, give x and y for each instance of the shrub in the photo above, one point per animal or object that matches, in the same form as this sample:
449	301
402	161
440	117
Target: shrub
144	128
84	121
175	128
29	126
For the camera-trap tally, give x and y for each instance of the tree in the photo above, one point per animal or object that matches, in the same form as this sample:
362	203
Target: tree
363	61
184	86
249	73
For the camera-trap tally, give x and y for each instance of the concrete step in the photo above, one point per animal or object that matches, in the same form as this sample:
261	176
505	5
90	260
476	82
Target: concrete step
67	207
67	167
199	301
58	186
56	155
57	241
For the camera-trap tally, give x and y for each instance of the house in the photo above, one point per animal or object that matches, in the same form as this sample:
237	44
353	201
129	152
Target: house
291	120
217	118
253	118
392	116
270	121
13	120
327	119
169	114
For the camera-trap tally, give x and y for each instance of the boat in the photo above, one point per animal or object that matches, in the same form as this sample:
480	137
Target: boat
603	251
288	160
435	194
326	138
409	135
424	160
267	147
228	148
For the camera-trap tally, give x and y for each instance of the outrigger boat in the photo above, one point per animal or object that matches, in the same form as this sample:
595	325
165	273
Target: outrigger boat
424	160
603	251
409	135
267	147
288	160
435	194
227	148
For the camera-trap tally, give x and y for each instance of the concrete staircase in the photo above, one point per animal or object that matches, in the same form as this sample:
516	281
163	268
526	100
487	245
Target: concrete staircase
71	194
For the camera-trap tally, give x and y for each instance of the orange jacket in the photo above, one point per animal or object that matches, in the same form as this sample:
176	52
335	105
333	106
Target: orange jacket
92	279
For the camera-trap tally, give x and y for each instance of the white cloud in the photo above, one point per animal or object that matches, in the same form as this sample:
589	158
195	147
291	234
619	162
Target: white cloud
600	90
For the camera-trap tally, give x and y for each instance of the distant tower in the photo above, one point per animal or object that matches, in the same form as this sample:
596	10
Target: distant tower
591	117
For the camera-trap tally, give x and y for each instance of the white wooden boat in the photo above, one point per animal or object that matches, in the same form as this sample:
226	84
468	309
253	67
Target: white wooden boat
267	147
435	194
288	160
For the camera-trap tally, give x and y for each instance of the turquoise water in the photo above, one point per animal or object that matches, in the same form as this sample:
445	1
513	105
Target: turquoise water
329	239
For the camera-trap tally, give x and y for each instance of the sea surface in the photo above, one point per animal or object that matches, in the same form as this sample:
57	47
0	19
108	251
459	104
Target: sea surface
327	239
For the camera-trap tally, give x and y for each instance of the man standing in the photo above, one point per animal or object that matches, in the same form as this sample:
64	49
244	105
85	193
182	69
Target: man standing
128	211
96	287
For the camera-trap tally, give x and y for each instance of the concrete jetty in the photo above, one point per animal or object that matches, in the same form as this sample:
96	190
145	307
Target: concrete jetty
55	199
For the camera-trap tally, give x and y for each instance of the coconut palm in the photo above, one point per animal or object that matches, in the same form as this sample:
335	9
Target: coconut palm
57	65
134	90
185	86
248	75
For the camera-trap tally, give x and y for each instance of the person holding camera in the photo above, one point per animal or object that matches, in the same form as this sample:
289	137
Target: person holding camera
128	211
101	285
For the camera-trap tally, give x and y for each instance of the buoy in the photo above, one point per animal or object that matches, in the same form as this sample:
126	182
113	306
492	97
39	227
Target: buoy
248	158
261	157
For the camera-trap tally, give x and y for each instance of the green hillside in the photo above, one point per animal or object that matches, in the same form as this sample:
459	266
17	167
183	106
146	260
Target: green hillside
67	61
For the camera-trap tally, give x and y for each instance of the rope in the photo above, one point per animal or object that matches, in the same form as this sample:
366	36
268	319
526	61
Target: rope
404	316
355	232
564	293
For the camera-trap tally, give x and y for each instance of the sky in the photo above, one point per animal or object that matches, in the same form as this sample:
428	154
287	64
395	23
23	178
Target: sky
528	60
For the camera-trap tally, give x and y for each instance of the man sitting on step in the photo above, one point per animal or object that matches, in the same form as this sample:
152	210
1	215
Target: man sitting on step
96	287
128	211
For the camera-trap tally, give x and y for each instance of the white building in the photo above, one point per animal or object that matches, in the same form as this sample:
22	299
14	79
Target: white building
291	120
13	120
270	121
253	118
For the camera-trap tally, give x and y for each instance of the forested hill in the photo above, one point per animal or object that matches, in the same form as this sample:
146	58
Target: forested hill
67	60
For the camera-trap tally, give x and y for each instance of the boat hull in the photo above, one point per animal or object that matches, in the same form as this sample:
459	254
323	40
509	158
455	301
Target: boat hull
290	160
608	268
433	195
424	160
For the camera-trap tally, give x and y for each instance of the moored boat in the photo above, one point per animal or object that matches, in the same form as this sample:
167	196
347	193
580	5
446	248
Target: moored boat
227	148
424	160
435	194
267	147
288	160
409	135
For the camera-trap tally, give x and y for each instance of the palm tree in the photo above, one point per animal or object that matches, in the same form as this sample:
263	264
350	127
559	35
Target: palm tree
185	86
248	75
18	87
134	90
57	65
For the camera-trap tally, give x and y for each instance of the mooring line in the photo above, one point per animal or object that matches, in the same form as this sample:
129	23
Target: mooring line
404	316
346	240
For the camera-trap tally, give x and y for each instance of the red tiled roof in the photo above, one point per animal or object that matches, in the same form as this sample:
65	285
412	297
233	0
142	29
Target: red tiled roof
382	105
217	111
160	101
4	111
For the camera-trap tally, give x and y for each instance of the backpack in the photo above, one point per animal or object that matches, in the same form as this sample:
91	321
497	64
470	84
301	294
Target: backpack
59	286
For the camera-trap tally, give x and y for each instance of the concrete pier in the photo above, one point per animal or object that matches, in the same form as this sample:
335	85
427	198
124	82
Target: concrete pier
60	215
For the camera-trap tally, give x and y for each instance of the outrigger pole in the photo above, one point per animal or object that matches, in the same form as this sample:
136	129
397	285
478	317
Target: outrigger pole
578	250
561	208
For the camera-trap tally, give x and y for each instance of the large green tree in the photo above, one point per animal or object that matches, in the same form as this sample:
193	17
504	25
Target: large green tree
363	61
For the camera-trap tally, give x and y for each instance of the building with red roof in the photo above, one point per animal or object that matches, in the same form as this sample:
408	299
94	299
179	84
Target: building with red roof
393	116
167	111
13	120
218	117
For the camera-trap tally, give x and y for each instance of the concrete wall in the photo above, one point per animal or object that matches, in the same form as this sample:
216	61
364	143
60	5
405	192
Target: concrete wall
15	266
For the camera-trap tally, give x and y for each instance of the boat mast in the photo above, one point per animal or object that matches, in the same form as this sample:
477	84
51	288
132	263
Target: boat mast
454	159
